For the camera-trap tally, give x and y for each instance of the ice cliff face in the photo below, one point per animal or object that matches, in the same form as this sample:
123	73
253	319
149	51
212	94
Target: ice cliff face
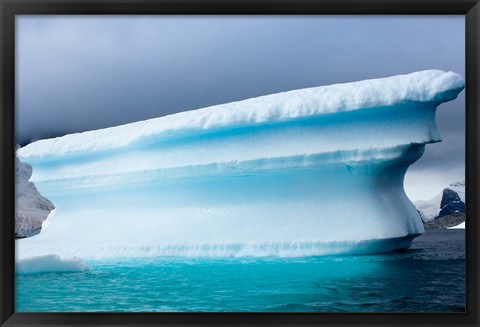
31	209
305	172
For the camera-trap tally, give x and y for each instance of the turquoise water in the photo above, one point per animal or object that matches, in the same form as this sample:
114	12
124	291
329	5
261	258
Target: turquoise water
430	276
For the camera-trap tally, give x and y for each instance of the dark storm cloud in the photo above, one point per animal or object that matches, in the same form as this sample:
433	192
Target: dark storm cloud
81	73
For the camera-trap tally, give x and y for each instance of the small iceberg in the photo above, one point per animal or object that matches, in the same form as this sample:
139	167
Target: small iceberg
49	264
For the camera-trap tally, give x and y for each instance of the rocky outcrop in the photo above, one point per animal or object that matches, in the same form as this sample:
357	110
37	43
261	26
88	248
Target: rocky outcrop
447	221
451	203
31	208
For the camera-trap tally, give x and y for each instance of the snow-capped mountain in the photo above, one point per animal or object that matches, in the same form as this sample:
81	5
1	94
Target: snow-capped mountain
450	200
31	209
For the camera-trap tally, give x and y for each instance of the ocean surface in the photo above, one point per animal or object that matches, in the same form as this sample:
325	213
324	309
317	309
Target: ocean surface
428	277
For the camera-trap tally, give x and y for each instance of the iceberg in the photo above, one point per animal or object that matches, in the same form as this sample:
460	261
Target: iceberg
305	172
49	264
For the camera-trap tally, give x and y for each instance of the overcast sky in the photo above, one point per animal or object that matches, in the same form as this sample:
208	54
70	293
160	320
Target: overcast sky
81	73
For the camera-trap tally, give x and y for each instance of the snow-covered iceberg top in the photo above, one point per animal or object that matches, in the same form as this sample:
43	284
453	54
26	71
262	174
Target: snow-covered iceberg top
434	86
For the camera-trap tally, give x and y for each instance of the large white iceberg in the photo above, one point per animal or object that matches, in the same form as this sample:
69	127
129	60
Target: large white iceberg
305	172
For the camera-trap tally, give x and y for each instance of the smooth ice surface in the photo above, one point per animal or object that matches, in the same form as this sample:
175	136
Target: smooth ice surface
305	172
49	263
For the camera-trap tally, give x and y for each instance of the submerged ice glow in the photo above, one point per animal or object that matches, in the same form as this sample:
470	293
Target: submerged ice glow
306	172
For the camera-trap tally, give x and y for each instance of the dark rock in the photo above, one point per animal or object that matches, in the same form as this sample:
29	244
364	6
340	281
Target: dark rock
450	204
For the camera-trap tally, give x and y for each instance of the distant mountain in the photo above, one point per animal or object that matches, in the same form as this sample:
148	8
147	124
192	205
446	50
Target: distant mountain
450	201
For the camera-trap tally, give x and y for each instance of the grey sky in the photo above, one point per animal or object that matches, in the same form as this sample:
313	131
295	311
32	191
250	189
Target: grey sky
81	73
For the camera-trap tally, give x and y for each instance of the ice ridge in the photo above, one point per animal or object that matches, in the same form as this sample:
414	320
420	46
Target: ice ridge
433	86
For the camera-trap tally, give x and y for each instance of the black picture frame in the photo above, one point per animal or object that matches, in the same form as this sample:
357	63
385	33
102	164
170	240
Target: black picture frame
10	8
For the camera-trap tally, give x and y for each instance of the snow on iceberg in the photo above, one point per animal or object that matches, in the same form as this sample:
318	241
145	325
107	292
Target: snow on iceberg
49	264
304	172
